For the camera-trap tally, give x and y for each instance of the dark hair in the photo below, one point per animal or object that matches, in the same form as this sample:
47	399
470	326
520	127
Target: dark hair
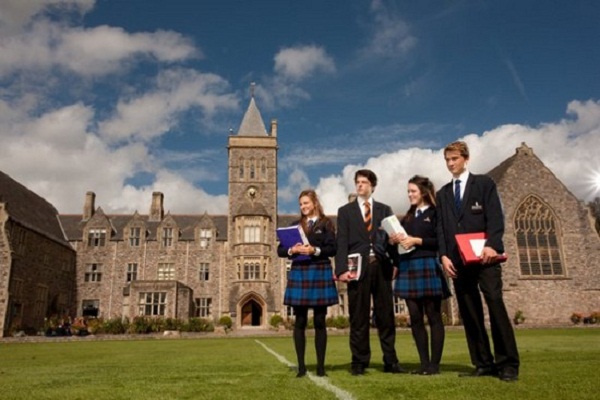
367	173
427	190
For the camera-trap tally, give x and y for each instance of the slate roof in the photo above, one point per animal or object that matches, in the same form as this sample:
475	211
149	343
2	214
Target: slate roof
252	123
30	210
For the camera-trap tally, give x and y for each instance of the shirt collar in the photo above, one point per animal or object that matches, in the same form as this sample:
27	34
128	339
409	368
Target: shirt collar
463	177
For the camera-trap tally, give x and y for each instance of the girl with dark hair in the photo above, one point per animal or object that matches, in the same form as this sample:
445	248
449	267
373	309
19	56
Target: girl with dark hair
420	281
310	282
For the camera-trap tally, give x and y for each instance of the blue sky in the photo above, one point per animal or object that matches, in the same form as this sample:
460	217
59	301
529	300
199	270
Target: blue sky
133	96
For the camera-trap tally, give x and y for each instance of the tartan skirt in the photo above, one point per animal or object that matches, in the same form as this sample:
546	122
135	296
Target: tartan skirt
310	285
421	277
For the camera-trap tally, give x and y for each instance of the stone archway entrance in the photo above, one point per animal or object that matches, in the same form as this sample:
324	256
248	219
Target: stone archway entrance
251	312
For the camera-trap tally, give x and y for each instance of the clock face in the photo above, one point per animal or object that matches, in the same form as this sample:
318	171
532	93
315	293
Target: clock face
252	192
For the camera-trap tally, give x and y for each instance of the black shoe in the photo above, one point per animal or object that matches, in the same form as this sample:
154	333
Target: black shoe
394	368
479	371
426	371
508	374
321	371
357	369
301	372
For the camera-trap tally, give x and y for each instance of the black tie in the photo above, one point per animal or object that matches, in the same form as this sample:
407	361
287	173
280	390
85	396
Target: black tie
457	201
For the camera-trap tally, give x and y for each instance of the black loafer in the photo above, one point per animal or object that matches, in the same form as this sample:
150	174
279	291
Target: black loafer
357	369
394	369
480	371
508	374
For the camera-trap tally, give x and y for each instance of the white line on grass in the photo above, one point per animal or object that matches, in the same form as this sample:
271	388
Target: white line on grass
317	380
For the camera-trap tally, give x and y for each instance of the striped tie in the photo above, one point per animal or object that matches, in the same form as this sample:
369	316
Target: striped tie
368	219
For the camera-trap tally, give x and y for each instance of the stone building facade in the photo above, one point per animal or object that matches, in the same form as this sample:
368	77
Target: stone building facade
37	264
182	266
553	266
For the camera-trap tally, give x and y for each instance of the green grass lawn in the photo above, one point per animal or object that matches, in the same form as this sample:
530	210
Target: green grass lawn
556	364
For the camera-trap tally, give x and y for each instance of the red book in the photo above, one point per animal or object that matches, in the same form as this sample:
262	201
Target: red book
470	246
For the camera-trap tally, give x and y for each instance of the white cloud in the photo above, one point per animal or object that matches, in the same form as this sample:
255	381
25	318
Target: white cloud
390	35
87	52
297	63
15	14
568	147
154	112
293	66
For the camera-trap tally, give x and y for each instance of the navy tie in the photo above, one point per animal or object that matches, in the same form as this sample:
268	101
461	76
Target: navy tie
457	201
311	223
419	213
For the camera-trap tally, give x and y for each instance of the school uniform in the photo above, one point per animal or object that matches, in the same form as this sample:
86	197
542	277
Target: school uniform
310	282
419	271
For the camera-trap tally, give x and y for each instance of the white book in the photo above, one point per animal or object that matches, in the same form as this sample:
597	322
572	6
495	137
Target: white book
354	265
392	225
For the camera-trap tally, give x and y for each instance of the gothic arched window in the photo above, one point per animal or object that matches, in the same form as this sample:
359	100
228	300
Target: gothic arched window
537	232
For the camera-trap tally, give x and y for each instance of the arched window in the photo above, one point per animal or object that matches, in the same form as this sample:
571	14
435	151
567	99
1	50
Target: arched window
241	172
537	232
263	168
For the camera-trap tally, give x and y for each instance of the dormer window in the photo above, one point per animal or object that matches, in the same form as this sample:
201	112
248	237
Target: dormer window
135	236
167	237
96	237
205	237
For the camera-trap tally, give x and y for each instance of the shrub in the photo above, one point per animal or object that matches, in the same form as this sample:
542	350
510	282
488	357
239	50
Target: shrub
276	320
226	321
519	317
339	322
140	325
198	325
95	325
402	321
576	318
115	326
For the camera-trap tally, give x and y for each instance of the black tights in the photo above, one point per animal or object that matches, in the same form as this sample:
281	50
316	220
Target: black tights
430	306
319	314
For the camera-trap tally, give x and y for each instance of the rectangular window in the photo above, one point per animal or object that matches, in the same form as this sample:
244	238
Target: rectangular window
166	272
135	236
251	271
93	273
251	234
205	236
96	237
167	237
132	269
152	303
90	308
399	305
203	271
203	307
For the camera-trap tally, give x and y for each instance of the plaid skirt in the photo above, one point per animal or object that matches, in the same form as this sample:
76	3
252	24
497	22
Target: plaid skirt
421	277
310	285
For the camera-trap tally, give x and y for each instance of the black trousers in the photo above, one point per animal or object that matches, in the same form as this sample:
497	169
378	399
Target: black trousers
468	283
373	284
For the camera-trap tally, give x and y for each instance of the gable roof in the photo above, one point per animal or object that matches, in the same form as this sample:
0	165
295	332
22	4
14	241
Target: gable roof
30	210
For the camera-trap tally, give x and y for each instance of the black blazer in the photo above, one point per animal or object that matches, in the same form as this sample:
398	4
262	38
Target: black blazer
353	237
322	235
481	211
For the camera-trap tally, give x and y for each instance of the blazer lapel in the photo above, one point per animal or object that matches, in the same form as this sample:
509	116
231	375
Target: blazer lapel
449	193
466	195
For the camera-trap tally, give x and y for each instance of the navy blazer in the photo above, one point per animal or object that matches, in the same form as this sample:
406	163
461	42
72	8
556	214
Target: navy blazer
322	235
353	237
481	211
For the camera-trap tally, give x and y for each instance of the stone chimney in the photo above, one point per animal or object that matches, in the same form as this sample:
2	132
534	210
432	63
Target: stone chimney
157	211
89	206
274	127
